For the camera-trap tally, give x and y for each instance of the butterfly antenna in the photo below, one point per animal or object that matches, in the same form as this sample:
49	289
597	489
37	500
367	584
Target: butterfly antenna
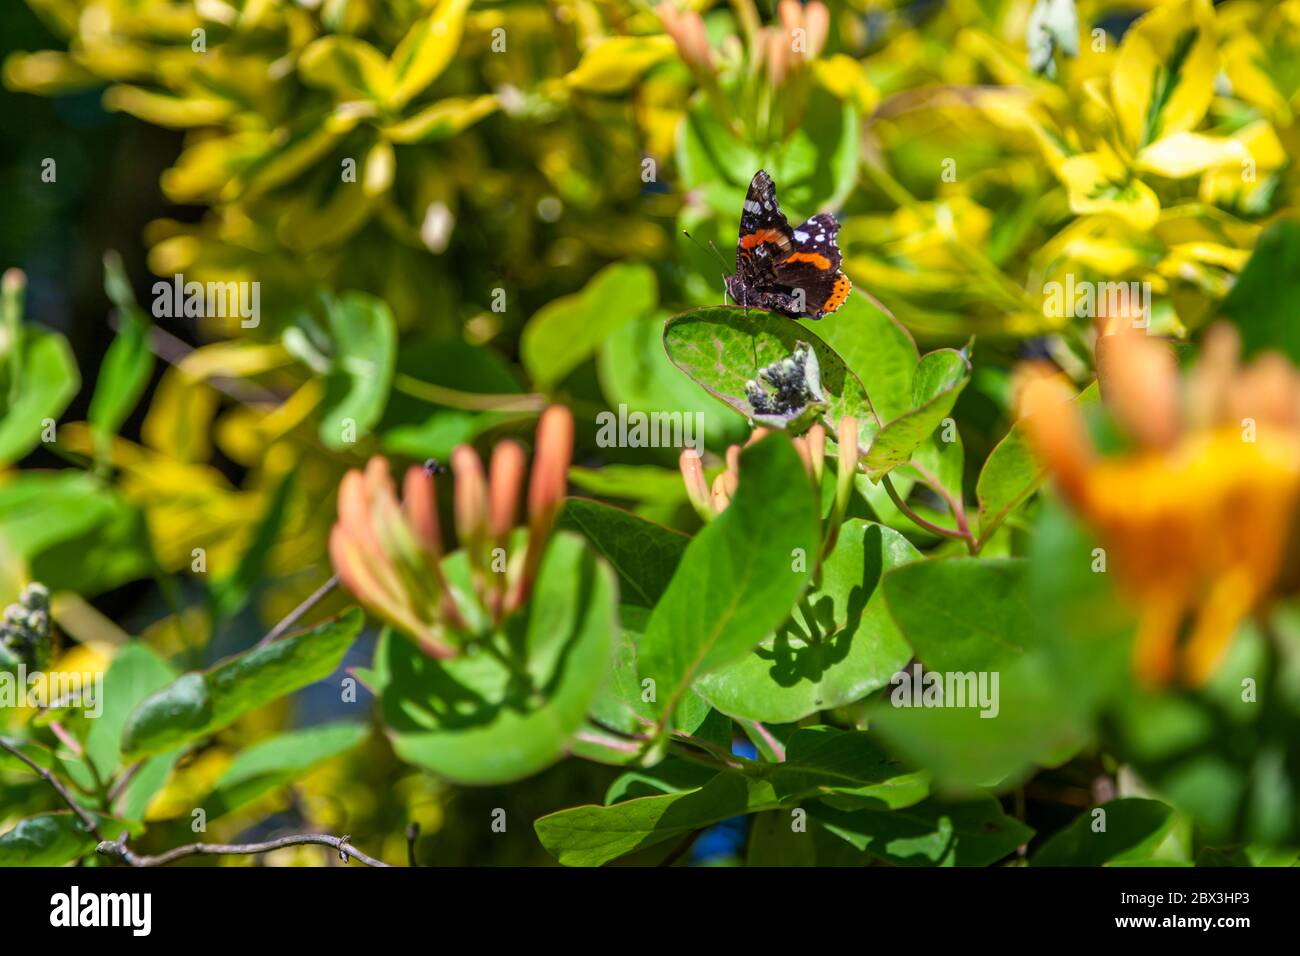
712	247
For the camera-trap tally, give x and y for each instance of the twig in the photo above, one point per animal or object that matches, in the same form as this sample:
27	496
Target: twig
930	526
293	617
86	818
473	401
118	849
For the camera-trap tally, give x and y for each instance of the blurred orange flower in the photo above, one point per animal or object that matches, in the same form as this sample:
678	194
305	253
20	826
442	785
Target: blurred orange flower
1198	513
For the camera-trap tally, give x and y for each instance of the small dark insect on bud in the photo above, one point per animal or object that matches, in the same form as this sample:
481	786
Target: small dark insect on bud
434	467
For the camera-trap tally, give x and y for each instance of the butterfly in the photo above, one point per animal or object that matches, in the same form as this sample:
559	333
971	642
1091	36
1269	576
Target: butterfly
792	271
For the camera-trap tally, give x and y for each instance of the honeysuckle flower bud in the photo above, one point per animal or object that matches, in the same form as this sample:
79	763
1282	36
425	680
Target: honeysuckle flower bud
817	451
778	56
25	630
389	555
1196	517
546	488
817	23
849	453
687	31
697	487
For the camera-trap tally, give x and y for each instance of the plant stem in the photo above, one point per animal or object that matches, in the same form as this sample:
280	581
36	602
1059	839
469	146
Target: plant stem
296	614
85	816
930	526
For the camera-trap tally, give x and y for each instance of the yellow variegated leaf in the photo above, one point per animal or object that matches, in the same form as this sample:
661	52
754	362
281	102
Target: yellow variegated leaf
308	223
244	433
426	50
346	66
47	73
233	360
179	418
1242	56
293	153
164	109
847	79
1164	80
615	63
1099	184
1180	155
206	166
442	119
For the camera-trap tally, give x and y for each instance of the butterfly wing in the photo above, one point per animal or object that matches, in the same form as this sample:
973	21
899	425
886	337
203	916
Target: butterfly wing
813	266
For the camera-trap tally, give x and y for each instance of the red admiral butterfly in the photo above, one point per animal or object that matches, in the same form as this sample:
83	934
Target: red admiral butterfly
792	271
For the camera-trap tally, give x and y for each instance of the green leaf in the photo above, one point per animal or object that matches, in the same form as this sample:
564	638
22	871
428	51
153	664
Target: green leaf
723	347
932	833
736	581
1133	828
74	531
200	703
774	841
128	364
427	50
567	331
858	648
820	760
282	759
939	378
644	554
53	839
350	68
1260	302
634	371
364	336
474	719
42	378
134	673
878	349
962	614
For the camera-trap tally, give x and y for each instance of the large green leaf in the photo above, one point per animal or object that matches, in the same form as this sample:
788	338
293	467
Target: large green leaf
1261	302
567	331
280	760
739	577
35	385
134	674
128	363
820	760
644	554
1129	830
939	378
1035	646
487	718
53	839
364	338
932	833
200	703
880	352
74	531
963	614
723	347
857	648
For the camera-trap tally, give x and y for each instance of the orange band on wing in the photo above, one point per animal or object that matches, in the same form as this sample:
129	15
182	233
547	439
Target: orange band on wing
773	236
816	258
839	293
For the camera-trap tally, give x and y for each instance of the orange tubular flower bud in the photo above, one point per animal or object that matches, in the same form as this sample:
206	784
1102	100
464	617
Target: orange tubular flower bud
421	507
817	22
817	450
778	56
545	491
505	482
697	39
1139	382
848	467
697	488
720	496
469	501
1055	430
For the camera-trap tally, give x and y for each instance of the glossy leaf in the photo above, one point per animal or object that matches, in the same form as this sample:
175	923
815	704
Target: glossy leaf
723	347
642	553
475	719
1123	830
939	378
857	648
365	345
736	581
53	839
200	703
932	833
